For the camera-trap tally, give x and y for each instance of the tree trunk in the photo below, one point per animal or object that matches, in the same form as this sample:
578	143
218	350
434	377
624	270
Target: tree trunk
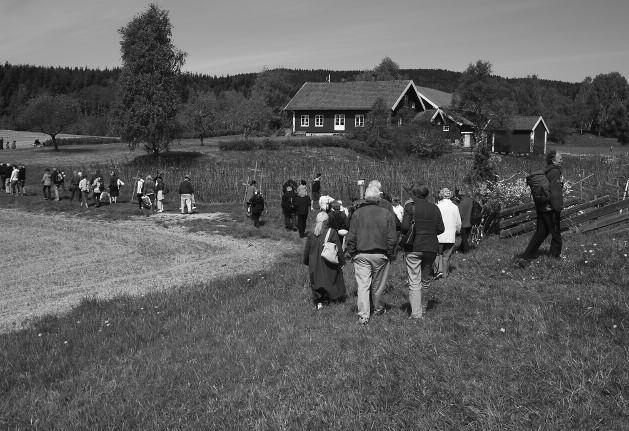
201	137
54	142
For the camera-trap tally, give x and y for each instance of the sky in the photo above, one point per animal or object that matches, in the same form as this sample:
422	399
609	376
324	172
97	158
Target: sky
565	40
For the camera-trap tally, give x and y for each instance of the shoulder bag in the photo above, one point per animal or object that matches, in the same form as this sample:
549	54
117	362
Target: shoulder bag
330	251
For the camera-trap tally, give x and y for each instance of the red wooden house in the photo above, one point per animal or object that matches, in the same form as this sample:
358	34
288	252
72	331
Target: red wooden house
526	134
342	107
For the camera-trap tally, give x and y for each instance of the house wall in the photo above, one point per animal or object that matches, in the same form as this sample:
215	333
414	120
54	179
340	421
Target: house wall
328	121
515	142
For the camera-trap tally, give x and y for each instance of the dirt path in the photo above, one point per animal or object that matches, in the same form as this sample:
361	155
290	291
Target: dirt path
55	261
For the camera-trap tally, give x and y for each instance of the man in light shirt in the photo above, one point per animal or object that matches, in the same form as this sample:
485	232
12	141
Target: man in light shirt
452	224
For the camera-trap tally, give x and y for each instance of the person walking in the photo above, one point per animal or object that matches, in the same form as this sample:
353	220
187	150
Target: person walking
470	212
46	181
371	243
57	179
97	187
74	186
84	187
250	191
148	193
114	187
326	279
256	203
288	207
548	211
160	192
21	180
452	225
420	257
316	189
137	190
186	191
302	205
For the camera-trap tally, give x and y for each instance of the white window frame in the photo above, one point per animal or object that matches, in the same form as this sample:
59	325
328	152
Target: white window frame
318	120
305	120
399	121
339	121
446	128
359	120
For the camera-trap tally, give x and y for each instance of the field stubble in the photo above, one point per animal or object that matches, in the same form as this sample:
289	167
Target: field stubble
57	260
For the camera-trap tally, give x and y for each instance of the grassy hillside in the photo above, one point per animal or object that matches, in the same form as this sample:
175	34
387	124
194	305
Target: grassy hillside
501	347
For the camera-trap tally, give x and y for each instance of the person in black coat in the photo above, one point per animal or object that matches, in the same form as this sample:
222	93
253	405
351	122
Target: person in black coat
326	279
288	206
257	207
302	208
549	214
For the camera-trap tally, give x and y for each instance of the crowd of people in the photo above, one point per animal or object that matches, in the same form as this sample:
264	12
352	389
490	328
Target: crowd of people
94	190
10	145
369	235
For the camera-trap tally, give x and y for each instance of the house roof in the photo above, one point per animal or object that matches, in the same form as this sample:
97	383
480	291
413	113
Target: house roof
359	95
439	98
527	122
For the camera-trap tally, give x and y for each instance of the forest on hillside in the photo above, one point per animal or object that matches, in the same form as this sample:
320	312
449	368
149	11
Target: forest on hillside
597	105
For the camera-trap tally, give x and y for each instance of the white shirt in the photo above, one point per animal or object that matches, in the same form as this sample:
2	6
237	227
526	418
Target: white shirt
14	174
399	211
451	221
139	188
84	185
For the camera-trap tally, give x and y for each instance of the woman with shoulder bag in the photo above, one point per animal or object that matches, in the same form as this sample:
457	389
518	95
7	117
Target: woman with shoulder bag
425	218
326	278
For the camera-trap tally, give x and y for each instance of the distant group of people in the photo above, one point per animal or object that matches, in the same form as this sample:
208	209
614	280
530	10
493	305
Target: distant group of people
9	144
13	179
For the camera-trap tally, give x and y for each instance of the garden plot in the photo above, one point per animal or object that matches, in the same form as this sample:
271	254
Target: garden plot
54	261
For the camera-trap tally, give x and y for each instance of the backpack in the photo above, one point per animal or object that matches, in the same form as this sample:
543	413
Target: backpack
476	215
540	187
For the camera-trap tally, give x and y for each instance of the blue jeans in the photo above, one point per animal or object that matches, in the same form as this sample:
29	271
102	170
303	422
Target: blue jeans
371	271
418	267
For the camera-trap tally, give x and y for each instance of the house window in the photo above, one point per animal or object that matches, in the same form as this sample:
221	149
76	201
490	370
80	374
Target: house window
446	127
305	120
413	105
318	120
399	121
339	120
359	120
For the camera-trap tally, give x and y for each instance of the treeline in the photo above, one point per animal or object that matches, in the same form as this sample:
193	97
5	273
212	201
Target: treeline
596	105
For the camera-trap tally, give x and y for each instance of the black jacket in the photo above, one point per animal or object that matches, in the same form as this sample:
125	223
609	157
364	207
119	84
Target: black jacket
553	173
428	224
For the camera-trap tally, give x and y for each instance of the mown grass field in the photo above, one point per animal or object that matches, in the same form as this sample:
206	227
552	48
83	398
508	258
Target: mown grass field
502	347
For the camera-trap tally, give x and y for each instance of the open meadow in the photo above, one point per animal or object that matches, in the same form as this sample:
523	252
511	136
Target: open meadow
114	320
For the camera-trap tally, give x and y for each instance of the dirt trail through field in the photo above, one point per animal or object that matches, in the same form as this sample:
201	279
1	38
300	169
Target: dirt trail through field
54	261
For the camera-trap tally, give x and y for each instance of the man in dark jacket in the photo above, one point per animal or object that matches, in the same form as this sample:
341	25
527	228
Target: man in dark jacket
288	206
371	243
186	191
421	256
549	213
257	207
316	189
466	207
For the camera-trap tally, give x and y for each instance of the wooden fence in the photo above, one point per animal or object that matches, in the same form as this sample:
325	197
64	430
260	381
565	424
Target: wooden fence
577	216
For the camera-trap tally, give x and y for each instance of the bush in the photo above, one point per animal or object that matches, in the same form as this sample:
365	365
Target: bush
623	138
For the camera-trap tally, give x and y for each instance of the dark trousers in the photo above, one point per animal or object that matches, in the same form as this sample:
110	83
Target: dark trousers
301	224
74	190
465	239
548	222
255	216
97	198
140	200
47	192
288	219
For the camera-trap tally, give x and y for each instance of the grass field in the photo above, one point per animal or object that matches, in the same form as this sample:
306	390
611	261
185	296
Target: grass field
241	347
